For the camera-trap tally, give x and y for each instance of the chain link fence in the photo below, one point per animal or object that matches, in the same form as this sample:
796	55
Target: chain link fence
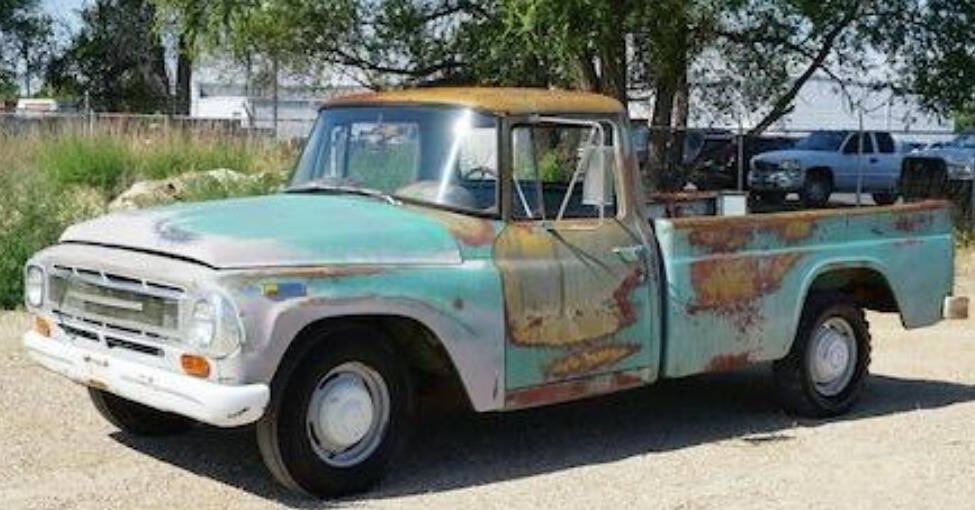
853	168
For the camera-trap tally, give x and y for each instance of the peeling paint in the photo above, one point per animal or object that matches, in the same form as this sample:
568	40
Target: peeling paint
496	99
588	359
910	223
732	287
574	389
728	362
728	237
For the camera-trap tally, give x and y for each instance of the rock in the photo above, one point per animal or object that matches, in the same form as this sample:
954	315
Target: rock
163	191
80	203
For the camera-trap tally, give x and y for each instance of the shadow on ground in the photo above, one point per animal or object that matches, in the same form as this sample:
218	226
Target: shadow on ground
464	449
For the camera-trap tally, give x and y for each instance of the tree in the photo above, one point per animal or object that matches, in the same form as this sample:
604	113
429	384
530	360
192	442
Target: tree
26	41
117	57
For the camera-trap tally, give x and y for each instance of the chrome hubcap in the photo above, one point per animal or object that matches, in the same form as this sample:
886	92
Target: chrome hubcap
833	356
348	414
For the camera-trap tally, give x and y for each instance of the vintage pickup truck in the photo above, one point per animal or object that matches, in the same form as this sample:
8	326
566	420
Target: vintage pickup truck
495	239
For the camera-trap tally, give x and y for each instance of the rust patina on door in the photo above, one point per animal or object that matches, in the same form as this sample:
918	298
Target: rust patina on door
578	308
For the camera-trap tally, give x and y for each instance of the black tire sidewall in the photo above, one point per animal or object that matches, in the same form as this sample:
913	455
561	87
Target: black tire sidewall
812	199
311	473
836	404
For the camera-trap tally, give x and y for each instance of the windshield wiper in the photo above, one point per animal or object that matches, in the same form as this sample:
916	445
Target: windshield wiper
335	188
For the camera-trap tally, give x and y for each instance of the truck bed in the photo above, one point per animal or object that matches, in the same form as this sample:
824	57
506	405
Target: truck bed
735	286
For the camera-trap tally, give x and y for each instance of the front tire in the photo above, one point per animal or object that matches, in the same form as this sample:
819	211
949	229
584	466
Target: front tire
135	418
816	190
336	424
884	198
824	372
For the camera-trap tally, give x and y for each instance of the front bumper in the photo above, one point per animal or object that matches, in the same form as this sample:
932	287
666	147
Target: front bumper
773	182
205	401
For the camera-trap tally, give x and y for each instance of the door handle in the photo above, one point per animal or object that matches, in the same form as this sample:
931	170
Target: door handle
873	160
629	253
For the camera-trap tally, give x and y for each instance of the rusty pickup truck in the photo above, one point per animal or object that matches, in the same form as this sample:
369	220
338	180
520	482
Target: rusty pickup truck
498	240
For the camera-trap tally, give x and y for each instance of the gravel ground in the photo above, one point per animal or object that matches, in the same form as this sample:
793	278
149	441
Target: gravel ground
714	441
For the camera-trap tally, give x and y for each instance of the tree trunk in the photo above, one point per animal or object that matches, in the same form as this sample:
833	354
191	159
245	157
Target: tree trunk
184	73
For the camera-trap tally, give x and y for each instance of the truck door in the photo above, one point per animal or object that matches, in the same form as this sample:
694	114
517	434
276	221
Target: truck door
580	304
855	163
886	162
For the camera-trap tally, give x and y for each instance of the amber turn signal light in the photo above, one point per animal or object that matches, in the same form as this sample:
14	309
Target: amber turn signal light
195	365
40	325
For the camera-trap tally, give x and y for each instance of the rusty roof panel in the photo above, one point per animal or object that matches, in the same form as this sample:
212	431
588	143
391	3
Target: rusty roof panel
495	99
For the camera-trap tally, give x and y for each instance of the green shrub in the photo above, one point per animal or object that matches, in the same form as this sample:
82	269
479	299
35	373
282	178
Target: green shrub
99	161
51	179
29	221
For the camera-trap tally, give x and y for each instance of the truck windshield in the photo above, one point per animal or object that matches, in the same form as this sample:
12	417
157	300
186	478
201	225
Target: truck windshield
438	155
822	141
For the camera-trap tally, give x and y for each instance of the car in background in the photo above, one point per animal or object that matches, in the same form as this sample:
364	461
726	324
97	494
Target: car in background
716	166
944	171
826	162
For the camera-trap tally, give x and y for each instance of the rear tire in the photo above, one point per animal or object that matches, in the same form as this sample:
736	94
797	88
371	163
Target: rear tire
824	372
816	190
135	418
884	198
339	419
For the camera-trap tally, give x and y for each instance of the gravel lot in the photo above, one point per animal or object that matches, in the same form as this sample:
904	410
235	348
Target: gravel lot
714	441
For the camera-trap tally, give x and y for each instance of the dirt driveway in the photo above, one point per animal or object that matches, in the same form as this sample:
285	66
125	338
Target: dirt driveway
715	441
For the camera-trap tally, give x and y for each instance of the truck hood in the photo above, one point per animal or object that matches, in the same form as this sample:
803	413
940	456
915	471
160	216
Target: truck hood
797	154
279	230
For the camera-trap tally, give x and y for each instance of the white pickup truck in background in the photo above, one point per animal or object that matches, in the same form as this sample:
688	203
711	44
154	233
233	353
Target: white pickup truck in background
829	161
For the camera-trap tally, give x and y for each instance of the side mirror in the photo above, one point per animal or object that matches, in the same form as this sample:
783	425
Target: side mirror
598	183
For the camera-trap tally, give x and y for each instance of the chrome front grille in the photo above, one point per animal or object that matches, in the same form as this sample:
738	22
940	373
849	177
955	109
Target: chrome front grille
108	301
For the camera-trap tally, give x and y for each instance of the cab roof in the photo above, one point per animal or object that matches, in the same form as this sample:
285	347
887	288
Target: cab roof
499	100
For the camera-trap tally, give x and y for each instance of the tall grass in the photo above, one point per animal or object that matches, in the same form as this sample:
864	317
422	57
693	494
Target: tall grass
51	179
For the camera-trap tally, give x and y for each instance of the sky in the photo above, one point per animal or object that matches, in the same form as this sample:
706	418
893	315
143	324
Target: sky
64	10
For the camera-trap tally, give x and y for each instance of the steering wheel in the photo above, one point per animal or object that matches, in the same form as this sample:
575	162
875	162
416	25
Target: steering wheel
483	171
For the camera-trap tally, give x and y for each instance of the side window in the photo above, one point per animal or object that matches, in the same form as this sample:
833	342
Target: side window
885	143
544	159
852	144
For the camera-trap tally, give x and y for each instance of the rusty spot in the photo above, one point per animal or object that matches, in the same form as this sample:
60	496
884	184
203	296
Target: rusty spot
574	389
910	223
728	362
588	360
468	230
727	237
722	240
621	298
731	287
496	99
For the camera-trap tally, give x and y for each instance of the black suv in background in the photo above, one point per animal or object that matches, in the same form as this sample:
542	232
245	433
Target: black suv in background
716	165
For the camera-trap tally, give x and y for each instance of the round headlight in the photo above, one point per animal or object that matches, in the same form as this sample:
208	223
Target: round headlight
34	286
215	328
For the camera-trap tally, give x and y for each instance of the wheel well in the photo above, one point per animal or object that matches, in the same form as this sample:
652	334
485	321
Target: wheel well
433	371
868	287
821	170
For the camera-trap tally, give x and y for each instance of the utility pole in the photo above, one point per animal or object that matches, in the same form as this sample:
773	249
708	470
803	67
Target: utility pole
274	93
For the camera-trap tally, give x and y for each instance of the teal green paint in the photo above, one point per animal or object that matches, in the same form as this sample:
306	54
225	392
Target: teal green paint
329	227
912	260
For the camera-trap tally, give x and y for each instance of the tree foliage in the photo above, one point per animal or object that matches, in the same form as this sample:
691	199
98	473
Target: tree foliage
116	57
26	44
